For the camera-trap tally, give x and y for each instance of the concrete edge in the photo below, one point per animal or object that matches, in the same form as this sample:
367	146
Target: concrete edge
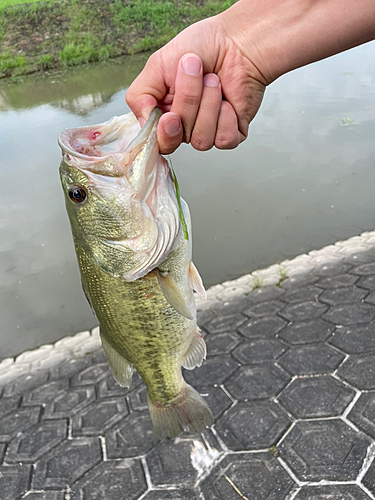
87	342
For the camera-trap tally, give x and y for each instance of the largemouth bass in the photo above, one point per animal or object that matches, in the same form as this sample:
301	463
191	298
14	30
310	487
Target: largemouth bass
128	222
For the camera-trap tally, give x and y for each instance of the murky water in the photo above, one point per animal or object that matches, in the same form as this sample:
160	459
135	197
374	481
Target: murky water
305	178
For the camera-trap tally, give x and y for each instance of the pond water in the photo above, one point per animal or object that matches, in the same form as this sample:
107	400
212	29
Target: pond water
304	179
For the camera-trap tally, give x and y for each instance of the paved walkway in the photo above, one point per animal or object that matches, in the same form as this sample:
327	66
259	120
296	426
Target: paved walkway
290	378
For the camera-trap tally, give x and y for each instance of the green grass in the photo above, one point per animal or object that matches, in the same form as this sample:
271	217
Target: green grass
10	3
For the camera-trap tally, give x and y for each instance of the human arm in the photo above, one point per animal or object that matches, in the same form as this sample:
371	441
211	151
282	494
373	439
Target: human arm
243	50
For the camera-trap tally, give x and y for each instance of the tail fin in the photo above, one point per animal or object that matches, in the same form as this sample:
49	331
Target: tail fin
188	412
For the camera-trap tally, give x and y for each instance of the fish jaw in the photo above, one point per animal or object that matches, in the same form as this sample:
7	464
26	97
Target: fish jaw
130	219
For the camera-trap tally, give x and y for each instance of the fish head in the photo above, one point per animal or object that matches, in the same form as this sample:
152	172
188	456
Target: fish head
120	195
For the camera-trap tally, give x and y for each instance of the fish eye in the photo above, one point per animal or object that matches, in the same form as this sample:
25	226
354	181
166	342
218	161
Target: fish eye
77	194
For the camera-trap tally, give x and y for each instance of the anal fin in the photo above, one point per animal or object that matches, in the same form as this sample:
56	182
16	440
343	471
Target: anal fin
196	353
173	294
121	368
196	282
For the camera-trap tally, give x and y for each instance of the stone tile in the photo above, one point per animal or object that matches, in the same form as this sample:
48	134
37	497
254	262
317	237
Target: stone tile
44	393
222	324
70	368
215	370
112	480
364	269
332	269
316	397
170	463
303	311
18	421
183	494
355	339
222	343
45	495
363	413
34	442
259	351
252	426
264	294
108	387
68	402
367	282
99	416
24	384
63	465
14	481
299	281
310	359
324	450
138	399
217	400
258	476
91	375
343	280
359	371
346	295
268	308
369	479
7	405
332	492
266	327
350	314
360	258
133	437
308	293
254	382
307	332
2	452
370	299
204	317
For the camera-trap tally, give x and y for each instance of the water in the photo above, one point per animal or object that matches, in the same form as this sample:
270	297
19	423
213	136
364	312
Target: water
304	178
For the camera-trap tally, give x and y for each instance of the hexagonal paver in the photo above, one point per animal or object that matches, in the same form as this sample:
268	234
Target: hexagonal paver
343	280
8	404
258	351
299	281
204	317
359	371
2	451
257	476
367	282
254	382
222	324
112	480
31	444
44	393
364	269
183	494
264	294
307	293
324	449
65	464
332	492
252	426
99	416
45	495
222	343
68	402
355	339
361	257
350	314
363	413
264	309
303	311
71	367
266	327
370	299
340	296
369	479
91	375
134	436
14	480
108	387
310	359
332	269
215	370
316	397
18	421
217	400
307	332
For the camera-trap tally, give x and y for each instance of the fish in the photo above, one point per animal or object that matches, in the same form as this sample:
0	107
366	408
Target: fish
132	237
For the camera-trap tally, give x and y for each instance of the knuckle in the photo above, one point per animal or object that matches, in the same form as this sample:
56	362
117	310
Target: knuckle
200	142
226	141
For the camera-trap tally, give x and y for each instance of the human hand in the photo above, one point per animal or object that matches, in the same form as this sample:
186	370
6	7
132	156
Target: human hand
207	88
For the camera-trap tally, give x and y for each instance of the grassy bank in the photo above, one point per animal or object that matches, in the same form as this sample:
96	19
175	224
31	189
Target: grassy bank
48	34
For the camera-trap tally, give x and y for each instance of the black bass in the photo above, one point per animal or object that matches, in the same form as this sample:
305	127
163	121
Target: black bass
132	235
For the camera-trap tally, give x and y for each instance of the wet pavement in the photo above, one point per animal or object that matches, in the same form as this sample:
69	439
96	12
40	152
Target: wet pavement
290	379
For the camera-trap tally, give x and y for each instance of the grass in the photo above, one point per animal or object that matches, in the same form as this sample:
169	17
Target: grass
37	36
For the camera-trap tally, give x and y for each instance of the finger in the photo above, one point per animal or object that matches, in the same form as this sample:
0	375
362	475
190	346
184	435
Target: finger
188	91
204	132
169	133
227	134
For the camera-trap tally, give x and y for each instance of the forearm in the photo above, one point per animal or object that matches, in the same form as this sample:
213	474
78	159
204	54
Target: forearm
281	35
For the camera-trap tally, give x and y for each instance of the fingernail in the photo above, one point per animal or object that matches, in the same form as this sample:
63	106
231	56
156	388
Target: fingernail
141	121
172	126
191	65
211	80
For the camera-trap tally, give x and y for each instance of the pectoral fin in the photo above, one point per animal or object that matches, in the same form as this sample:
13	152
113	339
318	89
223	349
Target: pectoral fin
120	367
173	294
196	282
